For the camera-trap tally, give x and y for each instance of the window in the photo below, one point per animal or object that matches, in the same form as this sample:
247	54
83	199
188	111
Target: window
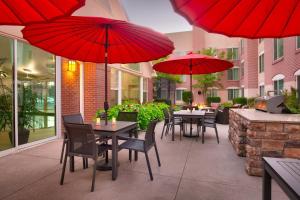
145	90
114	82
298	87
233	74
242	46
261	63
278	48
242	68
298	42
242	92
278	86
130	87
261	90
232	53
212	92
260	40
183	78
179	94
233	93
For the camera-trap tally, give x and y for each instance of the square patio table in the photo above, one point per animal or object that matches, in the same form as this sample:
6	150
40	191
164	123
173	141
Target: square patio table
286	172
196	114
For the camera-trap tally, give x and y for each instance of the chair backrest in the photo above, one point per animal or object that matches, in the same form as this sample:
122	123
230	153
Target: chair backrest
74	118
167	114
211	115
128	116
150	134
81	140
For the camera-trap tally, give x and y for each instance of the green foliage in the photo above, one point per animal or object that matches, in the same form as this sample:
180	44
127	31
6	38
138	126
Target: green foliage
250	102
6	109
187	96
226	105
146	112
291	101
240	100
166	101
213	100
170	77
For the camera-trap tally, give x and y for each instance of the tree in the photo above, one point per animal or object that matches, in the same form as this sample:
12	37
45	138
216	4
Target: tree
205	81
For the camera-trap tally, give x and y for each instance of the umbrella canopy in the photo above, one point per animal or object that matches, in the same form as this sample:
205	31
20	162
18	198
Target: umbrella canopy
99	40
192	64
16	12
243	18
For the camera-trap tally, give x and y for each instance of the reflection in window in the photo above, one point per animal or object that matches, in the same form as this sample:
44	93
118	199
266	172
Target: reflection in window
212	92
36	93
261	90
278	87
261	63
233	74
145	90
298	42
232	54
6	93
278	48
179	94
233	93
130	87
114	82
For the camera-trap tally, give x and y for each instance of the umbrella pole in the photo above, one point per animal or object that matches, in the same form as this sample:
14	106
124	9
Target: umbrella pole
191	71
106	106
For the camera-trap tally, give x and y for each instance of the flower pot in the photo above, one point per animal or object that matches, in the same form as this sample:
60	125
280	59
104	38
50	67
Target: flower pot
23	136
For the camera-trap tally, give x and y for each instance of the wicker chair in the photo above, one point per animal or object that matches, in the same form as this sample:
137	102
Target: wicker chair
145	145
209	121
82	143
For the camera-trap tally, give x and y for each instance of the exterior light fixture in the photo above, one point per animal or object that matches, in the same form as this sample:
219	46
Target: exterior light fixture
71	66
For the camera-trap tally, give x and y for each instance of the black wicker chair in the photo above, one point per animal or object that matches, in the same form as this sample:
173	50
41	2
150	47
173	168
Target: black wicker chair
144	145
209	121
167	123
82	142
76	119
176	121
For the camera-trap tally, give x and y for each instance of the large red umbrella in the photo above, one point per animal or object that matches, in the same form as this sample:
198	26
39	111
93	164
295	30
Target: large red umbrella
24	12
99	40
243	18
192	64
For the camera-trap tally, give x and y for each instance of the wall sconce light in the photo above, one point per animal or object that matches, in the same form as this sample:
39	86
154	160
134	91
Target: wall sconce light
71	66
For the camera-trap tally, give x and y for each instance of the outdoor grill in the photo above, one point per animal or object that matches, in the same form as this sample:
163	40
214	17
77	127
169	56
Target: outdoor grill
271	104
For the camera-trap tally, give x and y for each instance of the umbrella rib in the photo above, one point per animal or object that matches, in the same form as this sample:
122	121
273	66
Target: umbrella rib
290	16
264	21
208	9
90	50
12	11
36	10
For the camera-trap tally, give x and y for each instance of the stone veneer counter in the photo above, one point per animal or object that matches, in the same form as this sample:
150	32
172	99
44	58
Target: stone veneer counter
255	134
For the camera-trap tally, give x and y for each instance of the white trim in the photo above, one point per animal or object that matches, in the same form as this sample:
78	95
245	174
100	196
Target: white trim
15	81
58	95
260	53
141	89
297	42
261	84
243	86
181	88
297	73
278	77
229	88
212	88
81	89
119	87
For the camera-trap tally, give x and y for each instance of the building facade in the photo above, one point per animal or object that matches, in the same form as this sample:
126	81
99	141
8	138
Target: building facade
37	88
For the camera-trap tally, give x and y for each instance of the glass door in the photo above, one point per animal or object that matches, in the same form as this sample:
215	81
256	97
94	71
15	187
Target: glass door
6	93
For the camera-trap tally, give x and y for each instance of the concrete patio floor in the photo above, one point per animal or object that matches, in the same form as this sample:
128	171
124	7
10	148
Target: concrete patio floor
190	171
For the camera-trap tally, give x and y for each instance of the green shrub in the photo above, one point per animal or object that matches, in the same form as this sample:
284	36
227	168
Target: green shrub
226	105
187	96
240	100
213	100
146	112
291	101
166	101
250	102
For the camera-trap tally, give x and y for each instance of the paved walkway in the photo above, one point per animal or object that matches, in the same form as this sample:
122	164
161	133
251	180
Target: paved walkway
190	171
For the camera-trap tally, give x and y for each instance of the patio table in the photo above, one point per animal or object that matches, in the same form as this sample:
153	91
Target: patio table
286	172
112	131
196	114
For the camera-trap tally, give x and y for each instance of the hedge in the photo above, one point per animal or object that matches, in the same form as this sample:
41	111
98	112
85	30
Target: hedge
240	100
213	100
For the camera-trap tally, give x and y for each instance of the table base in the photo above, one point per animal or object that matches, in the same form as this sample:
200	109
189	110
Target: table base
105	166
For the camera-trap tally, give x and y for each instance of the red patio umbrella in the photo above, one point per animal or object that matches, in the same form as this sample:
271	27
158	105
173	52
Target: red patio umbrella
99	40
192	64
21	12
243	18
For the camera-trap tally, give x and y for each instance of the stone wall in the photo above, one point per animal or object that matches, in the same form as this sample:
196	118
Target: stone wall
257	139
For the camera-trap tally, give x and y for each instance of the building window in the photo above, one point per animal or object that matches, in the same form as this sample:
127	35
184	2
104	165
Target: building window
298	87
242	68
242	92
233	74
183	78
212	92
261	63
233	93
260	40
232	54
242	46
298	42
278	87
261	90
145	90
114	82
130	87
179	94
278	48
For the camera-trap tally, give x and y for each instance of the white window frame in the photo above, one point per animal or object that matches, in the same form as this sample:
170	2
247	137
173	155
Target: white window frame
278	58
259	56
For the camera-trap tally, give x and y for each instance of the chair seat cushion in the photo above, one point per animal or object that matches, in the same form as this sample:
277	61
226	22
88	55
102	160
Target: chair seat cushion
133	144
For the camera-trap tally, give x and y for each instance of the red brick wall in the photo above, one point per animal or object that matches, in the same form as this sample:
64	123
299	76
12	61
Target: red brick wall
250	57
287	66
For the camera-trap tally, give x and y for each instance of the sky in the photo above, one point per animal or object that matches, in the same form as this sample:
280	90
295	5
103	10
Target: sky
156	14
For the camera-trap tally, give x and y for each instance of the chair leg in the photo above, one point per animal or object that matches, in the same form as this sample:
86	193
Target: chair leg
94	175
148	165
198	135
130	155
83	163
106	157
162	133
64	169
72	167
217	134
203	135
62	151
180	132
167	129
157	156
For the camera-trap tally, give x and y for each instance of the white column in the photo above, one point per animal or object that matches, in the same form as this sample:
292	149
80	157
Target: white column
81	83
15	68
119	87
58	95
141	89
